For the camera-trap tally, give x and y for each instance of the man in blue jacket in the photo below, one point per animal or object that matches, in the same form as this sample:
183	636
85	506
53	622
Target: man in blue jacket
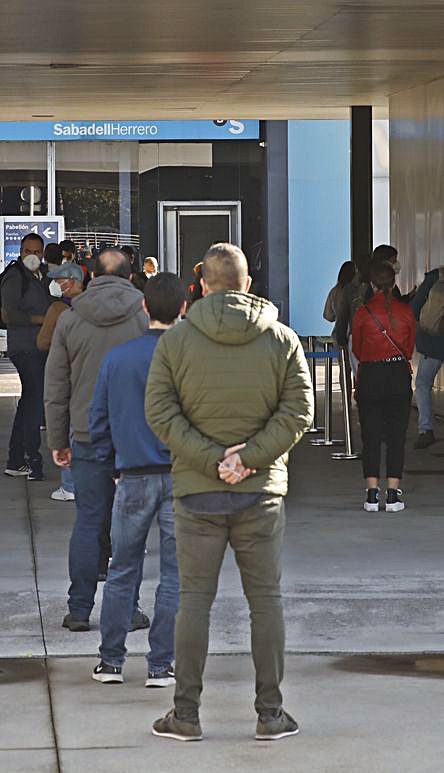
431	351
119	430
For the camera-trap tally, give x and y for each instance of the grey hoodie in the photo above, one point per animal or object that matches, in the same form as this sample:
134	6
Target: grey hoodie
108	313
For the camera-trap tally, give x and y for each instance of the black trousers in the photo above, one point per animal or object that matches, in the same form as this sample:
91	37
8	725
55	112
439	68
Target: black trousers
384	396
25	436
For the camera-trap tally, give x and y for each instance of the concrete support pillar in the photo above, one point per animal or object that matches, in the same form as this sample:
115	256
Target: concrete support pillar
276	216
361	181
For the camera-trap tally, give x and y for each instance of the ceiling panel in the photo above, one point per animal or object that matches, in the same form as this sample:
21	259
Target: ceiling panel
213	58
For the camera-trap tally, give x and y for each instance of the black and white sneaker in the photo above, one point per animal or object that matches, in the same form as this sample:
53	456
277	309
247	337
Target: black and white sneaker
107	674
16	472
393	503
163	679
371	504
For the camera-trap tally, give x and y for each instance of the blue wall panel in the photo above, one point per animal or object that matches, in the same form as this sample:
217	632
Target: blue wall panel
319	217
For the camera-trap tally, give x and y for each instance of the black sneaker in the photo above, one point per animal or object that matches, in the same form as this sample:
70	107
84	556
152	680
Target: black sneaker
393	503
171	726
425	439
273	725
75	625
36	475
107	674
140	620
16	472
163	679
371	504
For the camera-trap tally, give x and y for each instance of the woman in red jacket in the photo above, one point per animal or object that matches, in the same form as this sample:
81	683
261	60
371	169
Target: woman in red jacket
383	341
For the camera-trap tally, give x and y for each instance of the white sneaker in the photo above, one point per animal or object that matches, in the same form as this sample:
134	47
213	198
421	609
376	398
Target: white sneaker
61	495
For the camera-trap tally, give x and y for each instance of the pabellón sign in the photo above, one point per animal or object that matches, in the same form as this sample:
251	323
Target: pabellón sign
13	229
128	130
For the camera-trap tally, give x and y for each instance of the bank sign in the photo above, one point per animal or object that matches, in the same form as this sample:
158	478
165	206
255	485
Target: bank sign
136	131
13	229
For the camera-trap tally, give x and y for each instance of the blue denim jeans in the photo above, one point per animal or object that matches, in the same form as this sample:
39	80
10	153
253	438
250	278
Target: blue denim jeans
139	500
94	490
66	480
427	371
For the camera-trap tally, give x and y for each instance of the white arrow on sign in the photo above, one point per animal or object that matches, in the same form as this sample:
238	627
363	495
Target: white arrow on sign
48	232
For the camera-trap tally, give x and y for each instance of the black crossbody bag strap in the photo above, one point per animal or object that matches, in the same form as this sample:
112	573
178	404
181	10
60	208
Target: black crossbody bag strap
388	337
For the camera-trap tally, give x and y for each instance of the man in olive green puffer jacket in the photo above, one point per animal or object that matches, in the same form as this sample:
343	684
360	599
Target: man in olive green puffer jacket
229	393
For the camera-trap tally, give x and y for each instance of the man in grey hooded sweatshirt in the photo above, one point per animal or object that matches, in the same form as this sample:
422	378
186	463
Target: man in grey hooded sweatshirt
109	312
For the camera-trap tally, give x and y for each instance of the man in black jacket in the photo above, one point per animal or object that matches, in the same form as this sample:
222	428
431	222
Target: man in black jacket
25	301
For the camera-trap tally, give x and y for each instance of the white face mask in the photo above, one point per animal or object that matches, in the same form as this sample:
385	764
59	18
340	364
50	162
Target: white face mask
32	262
396	266
55	289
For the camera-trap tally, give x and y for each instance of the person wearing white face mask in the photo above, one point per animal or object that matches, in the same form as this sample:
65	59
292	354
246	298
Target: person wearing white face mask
25	301
386	253
67	283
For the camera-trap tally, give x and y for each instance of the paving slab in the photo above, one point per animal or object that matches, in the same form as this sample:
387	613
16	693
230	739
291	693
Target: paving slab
356	714
29	761
24	706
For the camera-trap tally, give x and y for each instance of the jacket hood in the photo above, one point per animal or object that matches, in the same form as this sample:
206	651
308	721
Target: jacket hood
108	300
232	318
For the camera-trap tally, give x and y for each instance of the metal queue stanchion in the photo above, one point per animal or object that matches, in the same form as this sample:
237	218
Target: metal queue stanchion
311	356
348	453
329	355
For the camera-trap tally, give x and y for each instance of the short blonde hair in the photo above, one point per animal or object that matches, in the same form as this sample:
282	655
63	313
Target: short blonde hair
225	268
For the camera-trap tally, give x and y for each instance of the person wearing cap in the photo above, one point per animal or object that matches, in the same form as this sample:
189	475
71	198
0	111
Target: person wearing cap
68	278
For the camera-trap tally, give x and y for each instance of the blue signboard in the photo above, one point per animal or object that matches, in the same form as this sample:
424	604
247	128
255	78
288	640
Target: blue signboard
135	131
13	229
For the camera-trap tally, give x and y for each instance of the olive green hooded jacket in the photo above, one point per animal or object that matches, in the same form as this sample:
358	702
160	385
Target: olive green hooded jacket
228	374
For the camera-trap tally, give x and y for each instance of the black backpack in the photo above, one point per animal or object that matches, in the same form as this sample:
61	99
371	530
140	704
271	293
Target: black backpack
25	281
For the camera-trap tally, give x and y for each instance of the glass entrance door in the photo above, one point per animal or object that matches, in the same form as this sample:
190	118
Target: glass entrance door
187	229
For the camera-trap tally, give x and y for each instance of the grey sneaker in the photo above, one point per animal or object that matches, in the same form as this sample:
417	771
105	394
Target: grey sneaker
170	726
273	725
140	620
75	625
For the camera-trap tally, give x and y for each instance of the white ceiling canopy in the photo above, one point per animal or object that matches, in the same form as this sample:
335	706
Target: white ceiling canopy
196	59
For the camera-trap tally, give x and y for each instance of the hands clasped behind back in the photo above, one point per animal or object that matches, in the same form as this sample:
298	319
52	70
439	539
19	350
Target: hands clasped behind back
231	469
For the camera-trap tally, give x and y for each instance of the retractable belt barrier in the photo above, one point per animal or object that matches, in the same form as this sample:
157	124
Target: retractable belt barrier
328	355
314	429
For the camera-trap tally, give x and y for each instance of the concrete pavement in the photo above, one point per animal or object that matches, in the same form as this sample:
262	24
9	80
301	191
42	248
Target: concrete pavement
354	583
357	715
